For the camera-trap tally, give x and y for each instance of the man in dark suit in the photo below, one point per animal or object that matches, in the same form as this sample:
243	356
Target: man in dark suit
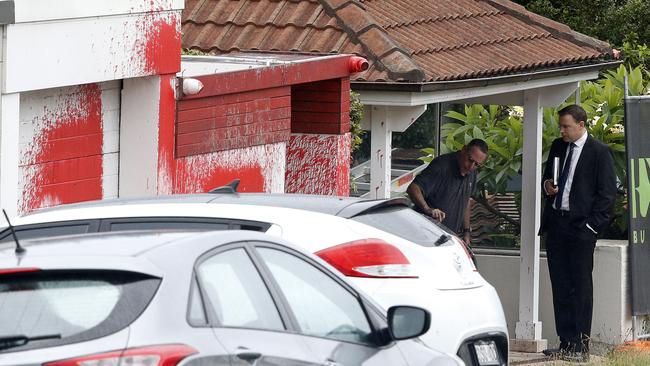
577	209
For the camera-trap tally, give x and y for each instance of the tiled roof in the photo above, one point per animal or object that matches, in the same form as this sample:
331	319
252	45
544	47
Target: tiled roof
404	40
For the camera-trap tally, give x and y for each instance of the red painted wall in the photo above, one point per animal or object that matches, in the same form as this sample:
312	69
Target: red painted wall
62	162
321	107
220	138
233	121
318	154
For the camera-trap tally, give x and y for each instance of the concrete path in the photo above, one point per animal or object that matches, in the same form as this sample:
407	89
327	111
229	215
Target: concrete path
538	359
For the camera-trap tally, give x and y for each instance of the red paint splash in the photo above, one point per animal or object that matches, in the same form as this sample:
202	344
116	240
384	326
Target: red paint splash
162	46
318	164
187	175
251	178
65	163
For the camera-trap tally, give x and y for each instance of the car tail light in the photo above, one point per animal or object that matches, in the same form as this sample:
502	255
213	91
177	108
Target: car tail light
368	258
469	254
163	355
7	271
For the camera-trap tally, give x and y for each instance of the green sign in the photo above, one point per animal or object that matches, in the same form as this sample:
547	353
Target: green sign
637	147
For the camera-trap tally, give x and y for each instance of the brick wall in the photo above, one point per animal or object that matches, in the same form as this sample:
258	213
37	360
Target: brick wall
321	107
233	121
318	154
68	145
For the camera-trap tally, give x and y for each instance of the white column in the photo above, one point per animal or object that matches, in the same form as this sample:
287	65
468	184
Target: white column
380	149
383	121
138	170
9	152
529	327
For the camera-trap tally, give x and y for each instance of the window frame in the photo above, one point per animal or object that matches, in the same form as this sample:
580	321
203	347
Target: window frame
209	309
374	327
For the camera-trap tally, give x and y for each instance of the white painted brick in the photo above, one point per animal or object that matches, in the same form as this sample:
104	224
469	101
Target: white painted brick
111	120
112	84
110	163
26	132
111	142
110	99
109	186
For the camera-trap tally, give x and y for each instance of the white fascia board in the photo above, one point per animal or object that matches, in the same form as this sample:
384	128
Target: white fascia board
85	50
45	10
395	98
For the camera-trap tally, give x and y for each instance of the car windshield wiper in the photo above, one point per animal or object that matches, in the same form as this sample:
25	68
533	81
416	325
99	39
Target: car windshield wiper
442	239
21	340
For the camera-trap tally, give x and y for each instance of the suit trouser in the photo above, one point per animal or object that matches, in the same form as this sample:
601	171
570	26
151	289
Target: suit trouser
570	256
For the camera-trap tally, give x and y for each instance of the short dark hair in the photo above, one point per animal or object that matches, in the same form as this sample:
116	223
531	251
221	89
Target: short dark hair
576	111
482	145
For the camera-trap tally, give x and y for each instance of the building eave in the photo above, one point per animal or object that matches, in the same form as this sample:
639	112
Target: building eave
497	90
481	82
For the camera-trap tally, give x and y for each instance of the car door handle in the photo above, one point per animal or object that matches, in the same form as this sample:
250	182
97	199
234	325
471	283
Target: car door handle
247	355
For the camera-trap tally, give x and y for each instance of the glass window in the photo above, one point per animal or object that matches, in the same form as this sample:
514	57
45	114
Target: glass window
405	223
167	225
38	232
322	306
66	307
237	293
196	315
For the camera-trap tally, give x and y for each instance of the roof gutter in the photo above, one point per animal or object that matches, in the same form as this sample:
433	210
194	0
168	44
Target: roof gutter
480	82
7	12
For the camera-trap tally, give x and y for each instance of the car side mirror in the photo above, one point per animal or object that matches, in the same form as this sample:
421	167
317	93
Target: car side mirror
405	322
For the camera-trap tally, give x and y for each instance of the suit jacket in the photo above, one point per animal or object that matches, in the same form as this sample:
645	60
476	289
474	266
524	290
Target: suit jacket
593	190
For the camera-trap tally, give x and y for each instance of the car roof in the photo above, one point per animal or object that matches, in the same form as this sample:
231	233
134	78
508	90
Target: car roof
346	207
123	243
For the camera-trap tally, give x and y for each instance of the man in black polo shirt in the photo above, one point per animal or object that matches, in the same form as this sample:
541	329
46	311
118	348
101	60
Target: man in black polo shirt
443	189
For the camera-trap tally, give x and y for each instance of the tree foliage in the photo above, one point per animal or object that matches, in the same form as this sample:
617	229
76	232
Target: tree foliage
609	20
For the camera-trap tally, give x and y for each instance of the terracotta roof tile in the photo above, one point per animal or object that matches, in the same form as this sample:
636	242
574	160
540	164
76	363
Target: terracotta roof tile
403	40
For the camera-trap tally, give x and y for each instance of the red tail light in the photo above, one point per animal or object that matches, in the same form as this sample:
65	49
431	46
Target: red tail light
163	355
6	271
469	254
368	258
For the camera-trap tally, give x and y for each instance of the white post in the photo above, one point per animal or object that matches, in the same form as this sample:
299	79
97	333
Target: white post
139	137
380	150
9	152
529	327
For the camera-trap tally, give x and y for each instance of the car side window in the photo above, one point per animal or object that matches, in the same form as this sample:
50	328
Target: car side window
235	290
322	306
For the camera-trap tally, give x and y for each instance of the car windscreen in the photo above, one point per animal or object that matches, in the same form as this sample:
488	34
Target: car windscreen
405	223
50	308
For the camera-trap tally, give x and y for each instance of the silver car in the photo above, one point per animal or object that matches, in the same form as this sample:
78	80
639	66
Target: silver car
189	298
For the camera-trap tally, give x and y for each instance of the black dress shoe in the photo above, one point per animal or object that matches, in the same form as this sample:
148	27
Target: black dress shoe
553	352
578	357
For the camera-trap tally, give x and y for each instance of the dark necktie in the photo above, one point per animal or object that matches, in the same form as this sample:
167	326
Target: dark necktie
563	177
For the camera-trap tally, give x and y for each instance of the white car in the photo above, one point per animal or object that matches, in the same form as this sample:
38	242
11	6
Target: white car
166	298
392	253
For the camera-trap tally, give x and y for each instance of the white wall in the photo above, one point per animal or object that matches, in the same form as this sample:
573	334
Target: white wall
612	322
77	128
